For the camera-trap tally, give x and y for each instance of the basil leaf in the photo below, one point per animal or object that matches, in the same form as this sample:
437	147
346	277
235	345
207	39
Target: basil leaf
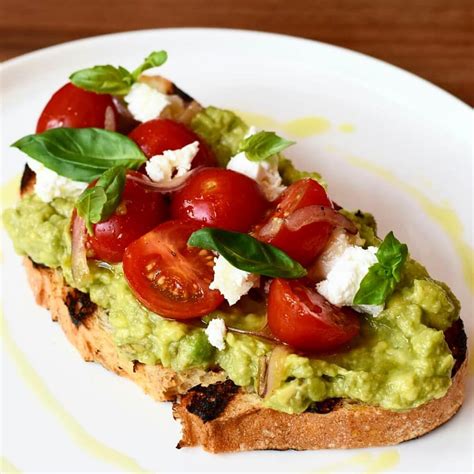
103	80
247	253
263	145
382	277
392	254
109	79
81	154
155	59
98	203
89	206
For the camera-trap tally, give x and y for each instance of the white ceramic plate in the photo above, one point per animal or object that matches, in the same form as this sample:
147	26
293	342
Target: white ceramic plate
386	141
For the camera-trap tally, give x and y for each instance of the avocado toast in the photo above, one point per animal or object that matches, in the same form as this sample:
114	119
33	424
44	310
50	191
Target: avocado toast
375	390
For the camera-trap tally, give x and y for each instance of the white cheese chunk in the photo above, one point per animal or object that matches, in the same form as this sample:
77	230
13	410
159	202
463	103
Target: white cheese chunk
264	172
171	163
50	185
338	242
232	282
344	278
144	102
215	332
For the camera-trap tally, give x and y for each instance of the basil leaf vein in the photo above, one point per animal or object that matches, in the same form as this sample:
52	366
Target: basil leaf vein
383	276
98	203
247	253
81	154
263	145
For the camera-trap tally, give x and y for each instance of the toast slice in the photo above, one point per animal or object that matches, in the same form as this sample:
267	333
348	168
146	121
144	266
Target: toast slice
220	416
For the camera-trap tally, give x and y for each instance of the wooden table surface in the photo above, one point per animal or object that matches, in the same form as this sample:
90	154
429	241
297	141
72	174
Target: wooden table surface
431	38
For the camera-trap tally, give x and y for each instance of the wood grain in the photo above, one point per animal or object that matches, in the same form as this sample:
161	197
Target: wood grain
431	38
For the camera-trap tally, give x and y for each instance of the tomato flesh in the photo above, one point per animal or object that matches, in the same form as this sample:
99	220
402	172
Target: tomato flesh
169	277
158	135
302	318
73	107
220	198
304	244
140	210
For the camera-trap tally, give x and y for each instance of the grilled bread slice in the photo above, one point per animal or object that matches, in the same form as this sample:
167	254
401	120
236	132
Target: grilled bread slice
219	416
214	412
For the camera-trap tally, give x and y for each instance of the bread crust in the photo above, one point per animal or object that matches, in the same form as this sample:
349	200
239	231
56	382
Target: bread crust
244	423
95	343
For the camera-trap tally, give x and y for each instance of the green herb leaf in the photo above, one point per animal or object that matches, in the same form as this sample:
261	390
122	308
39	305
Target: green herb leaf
155	59
247	253
382	278
263	145
89	206
98	203
109	79
81	154
103	80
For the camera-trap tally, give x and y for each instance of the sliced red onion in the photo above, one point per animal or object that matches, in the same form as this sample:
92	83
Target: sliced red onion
264	333
110	123
273	375
271	228
79	266
315	213
168	186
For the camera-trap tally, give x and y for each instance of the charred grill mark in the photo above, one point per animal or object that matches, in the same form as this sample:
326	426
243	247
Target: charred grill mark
79	305
38	266
28	175
457	342
180	93
324	407
209	402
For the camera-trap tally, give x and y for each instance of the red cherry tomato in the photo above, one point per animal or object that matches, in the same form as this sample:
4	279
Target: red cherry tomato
73	107
158	135
306	243
169	277
140	210
302	318
220	198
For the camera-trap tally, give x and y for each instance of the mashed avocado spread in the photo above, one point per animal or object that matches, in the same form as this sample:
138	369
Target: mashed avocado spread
399	361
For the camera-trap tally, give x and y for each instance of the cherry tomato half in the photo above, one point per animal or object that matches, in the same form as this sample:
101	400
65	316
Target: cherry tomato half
220	198
169	277
73	107
302	318
158	135
306	243
140	210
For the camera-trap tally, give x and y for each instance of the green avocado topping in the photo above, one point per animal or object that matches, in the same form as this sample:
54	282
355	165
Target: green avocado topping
399	361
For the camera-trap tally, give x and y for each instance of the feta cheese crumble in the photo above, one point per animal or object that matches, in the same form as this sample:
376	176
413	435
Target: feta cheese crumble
145	103
215	332
264	172
50	185
339	241
232	282
344	278
171	163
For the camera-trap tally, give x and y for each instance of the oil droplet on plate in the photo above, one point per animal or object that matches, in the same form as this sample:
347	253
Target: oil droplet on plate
347	128
307	126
